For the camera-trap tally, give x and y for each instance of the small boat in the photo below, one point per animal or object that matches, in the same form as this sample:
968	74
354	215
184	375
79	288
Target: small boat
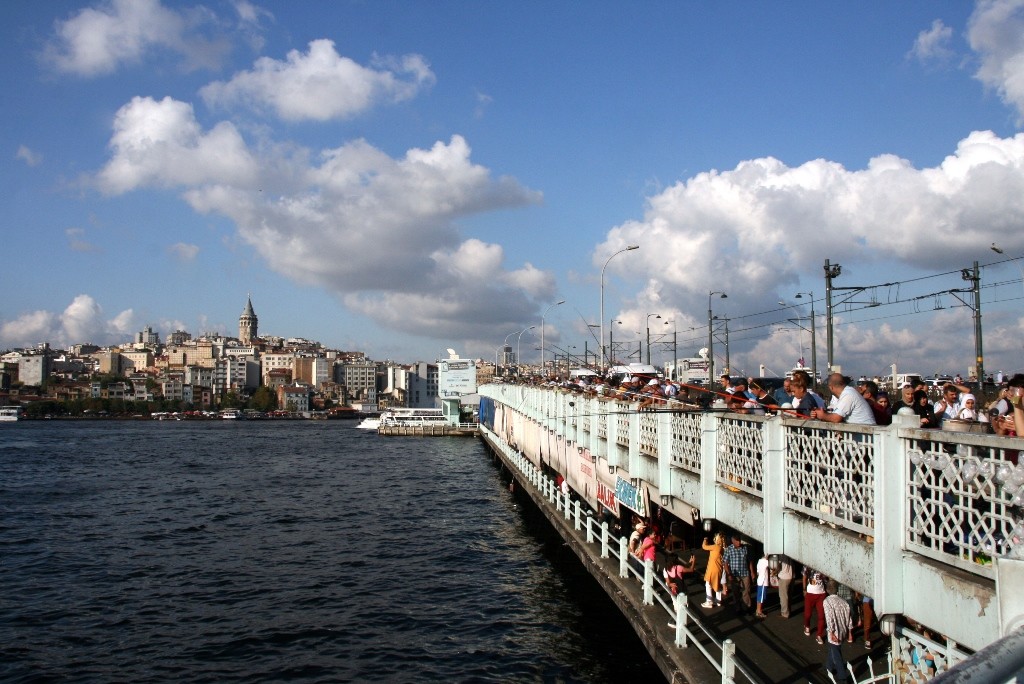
9	414
232	414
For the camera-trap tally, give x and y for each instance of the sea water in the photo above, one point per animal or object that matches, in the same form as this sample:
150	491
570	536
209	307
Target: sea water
213	551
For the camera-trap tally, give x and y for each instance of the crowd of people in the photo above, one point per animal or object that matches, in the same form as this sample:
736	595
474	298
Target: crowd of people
860	403
833	613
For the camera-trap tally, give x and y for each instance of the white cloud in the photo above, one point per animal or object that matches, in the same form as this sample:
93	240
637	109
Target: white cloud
81	321
321	84
77	241
996	33
184	252
28	156
933	44
755	231
160	143
98	40
380	232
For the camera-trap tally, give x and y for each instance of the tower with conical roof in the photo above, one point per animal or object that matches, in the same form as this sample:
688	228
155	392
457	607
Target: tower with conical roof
248	324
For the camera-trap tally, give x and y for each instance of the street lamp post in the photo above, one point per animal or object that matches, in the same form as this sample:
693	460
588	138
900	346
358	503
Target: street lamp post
611	339
626	249
519	341
711	341
562	301
649	335
814	348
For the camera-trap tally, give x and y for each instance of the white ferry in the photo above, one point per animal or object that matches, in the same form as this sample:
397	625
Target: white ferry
411	417
9	414
369	423
232	414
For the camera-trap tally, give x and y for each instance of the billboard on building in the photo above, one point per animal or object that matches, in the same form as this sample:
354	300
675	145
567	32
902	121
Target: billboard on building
456	377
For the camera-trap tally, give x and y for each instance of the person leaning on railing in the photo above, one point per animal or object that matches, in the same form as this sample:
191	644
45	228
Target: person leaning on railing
847	406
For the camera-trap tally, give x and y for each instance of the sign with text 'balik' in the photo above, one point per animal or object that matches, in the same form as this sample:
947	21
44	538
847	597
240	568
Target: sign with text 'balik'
630	496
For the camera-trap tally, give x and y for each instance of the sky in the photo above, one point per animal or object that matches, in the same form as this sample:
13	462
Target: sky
405	177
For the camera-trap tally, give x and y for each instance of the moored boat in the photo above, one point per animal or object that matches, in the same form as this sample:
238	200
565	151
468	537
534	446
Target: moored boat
9	414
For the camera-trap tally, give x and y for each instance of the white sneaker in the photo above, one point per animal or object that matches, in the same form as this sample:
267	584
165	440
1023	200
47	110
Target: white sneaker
707	604
672	625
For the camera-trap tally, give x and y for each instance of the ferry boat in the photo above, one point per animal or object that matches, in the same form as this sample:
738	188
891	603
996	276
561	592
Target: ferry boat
9	414
232	414
411	417
369	423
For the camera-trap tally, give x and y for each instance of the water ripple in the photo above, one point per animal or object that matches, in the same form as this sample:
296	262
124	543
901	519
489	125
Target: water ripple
151	552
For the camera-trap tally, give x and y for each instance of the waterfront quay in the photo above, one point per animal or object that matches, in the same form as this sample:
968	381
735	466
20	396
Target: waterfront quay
927	523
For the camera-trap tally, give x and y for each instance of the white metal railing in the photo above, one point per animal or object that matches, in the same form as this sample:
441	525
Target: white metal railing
962	493
917	657
721	654
686	440
740	449
961	490
830	473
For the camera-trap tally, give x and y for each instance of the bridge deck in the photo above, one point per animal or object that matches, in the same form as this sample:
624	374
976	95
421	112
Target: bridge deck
773	649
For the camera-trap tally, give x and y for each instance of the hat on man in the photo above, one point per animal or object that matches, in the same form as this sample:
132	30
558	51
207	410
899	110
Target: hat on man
906	385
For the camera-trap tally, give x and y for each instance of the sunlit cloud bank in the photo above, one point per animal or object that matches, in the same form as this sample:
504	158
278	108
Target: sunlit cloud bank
758	230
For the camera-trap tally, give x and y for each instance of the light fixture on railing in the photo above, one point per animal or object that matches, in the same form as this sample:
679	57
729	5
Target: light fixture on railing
635	481
708	525
774	563
611	469
579	449
665	500
887	624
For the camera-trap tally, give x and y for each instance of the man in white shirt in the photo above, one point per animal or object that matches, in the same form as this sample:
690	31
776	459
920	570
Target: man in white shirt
847	405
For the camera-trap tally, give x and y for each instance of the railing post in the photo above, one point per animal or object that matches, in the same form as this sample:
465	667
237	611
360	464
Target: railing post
576	512
648	583
728	661
774	460
890	524
623	557
590	528
604	540
679	603
709	466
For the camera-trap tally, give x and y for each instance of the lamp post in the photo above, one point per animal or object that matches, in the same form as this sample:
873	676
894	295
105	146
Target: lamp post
626	249
711	341
519	341
649	335
562	301
814	348
832	271
611	339
974	277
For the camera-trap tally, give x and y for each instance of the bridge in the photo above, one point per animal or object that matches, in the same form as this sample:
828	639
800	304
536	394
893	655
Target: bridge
928	523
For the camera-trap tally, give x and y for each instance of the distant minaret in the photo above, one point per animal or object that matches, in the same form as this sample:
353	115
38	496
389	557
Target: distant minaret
248	324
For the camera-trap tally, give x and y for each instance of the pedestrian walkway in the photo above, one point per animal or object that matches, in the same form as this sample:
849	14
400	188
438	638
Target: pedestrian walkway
770	649
774	648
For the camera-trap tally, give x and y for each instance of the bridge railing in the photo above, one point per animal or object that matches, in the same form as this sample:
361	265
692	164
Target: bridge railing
964	495
655	592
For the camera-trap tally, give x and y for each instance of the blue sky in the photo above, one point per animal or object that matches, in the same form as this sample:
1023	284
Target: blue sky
403	177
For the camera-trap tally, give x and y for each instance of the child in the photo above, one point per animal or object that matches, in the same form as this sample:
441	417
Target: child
674	575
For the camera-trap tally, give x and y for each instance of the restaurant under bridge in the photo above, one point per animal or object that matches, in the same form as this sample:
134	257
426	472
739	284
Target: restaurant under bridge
927	523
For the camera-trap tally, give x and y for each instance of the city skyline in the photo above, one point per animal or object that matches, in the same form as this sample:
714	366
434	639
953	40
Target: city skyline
402	178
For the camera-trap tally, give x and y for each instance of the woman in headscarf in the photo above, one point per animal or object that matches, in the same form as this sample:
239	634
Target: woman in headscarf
924	409
968	410
713	576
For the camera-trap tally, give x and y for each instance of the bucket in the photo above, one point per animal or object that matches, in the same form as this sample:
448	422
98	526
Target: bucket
957	425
